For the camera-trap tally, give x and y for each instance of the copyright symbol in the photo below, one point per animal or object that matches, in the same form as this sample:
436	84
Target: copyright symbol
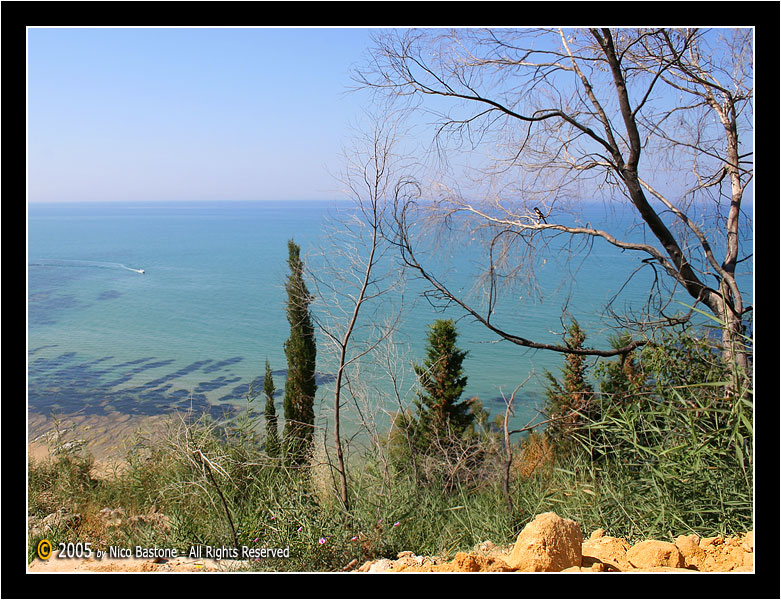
44	549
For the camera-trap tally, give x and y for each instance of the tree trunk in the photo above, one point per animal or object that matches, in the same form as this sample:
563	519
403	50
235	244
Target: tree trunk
726	304
338	439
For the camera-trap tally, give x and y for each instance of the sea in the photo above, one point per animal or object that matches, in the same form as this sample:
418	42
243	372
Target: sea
194	330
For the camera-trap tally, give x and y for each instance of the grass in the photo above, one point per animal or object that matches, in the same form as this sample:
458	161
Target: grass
275	507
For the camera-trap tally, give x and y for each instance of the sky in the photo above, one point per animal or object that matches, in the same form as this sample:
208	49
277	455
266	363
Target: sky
124	114
191	114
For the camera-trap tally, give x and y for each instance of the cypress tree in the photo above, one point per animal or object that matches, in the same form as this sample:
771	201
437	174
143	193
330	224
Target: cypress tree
571	396
301	353
442	380
272	434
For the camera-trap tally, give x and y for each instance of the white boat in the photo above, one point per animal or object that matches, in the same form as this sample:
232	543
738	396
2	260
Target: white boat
141	271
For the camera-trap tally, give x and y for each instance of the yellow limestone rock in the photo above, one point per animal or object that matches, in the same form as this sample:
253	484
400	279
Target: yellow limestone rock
689	546
653	553
607	550
549	543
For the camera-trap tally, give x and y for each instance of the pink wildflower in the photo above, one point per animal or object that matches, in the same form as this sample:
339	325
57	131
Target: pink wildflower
397	523
321	540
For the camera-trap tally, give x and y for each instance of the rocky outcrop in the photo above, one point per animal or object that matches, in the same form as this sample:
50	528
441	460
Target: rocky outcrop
610	552
689	547
548	544
552	544
653	553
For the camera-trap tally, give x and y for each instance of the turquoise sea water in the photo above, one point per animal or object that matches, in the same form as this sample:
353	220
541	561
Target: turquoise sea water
197	326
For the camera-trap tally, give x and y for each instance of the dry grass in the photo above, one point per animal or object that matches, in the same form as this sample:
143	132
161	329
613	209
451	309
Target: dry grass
536	456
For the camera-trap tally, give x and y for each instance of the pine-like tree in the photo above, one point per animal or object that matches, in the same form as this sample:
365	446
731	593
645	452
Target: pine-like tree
442	380
272	432
301	354
569	399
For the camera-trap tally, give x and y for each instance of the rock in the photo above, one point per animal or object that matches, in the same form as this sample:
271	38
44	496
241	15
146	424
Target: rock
381	566
406	558
653	553
462	563
608	550
748	542
471	563
667	570
549	544
711	541
575	570
466	563
689	547
747	545
595	568
364	568
350	565
597	533
725	555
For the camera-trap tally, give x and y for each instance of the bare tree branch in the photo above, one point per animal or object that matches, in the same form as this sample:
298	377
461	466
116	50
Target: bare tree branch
584	112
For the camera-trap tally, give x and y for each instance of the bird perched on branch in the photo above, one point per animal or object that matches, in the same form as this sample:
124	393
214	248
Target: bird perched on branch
539	214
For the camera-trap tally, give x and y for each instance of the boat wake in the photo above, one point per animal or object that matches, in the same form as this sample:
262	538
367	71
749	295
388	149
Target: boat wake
57	262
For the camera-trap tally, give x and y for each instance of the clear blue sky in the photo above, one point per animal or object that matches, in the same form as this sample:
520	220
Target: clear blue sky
189	114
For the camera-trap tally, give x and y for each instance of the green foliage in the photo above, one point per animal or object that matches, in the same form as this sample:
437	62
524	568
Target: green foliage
568	401
272	432
621	381
666	444
674	438
444	443
442	382
479	425
301	354
623	377
681	356
401	440
243	428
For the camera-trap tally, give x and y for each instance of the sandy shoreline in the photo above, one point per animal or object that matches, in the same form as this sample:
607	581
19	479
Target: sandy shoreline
107	437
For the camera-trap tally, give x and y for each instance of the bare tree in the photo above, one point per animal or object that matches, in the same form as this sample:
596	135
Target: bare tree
655	120
356	271
718	82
